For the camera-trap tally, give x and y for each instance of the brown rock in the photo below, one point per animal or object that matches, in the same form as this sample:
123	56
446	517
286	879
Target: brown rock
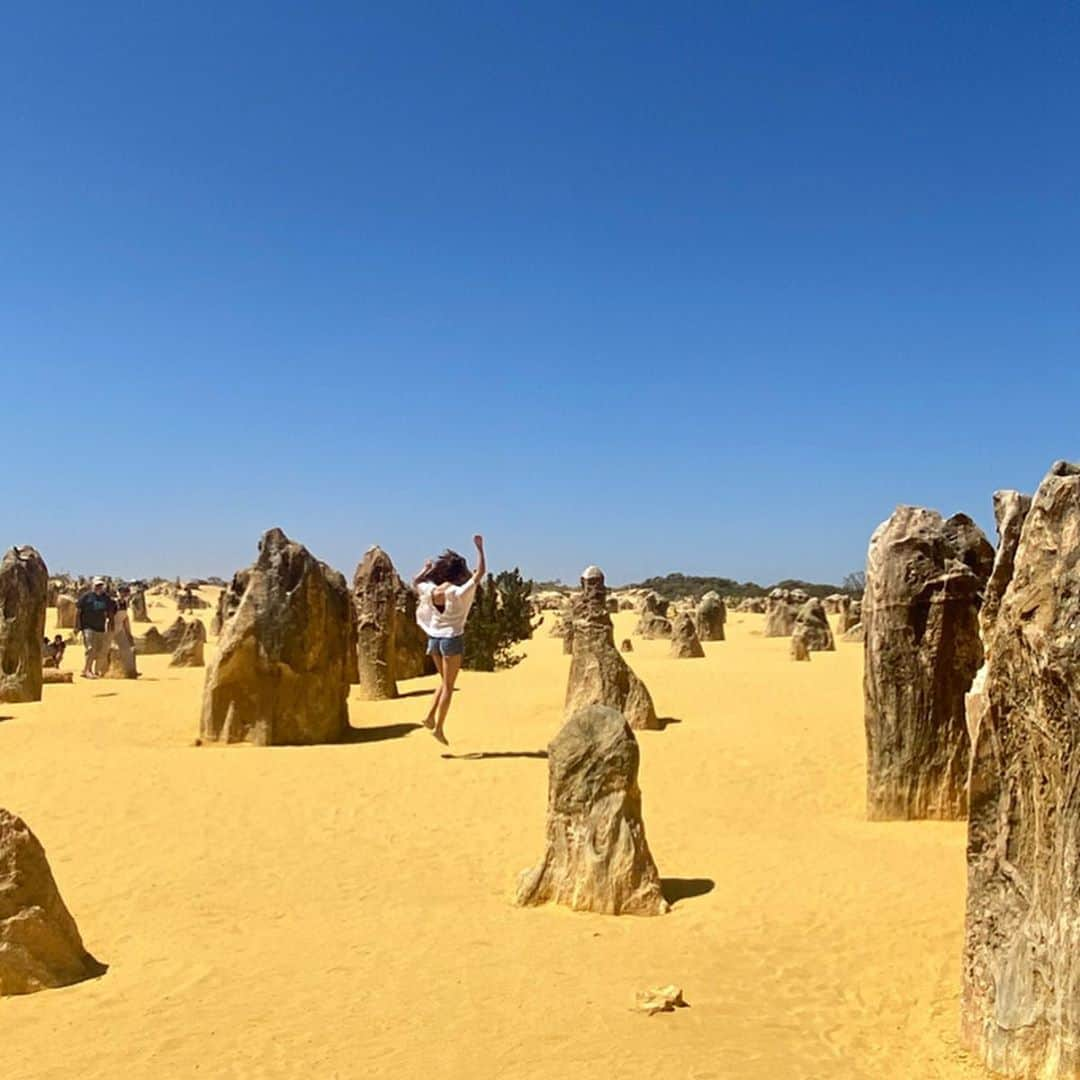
137	607
152	643
52	676
280	674
857	633
411	659
375	598
710	617
1010	510
189	650
799	649
848	614
597	858
66	612
40	945
684	640
781	609
653	622
924	580
753	604
812	625
1021	962
598	674
24	584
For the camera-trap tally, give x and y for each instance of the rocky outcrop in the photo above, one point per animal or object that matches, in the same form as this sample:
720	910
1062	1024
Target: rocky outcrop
756	605
596	858
280	673
66	612
174	633
40	946
598	674
684	640
812	626
411	659
848	613
653	622
781	609
857	634
1021	961
137	607
189	650
924	581
1010	510
799	649
24	585
375	599
152	643
710	617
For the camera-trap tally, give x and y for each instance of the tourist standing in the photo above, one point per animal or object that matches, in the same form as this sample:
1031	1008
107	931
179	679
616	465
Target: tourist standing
92	616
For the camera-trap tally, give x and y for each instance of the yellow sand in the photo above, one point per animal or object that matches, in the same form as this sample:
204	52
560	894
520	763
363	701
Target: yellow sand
346	910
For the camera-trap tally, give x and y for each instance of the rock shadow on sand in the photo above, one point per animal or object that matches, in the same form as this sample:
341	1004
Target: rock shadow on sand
379	734
676	888
487	755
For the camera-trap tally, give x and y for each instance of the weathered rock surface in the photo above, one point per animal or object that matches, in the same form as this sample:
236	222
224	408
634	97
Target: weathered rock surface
174	633
857	633
812	626
40	947
711	615
924	581
66	612
597	858
781	609
375	599
598	674
137	607
24	586
189	650
684	640
280	674
799	649
753	604
1020	1011
848	613
1010	510
411	658
653	622
53	676
152	643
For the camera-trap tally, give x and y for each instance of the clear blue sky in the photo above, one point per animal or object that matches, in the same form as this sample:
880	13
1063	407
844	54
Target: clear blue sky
705	287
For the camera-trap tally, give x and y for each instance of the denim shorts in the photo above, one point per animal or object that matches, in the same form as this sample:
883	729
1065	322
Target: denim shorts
446	646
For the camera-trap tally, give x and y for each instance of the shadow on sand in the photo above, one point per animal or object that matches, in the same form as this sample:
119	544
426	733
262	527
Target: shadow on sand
486	755
379	734
666	721
684	888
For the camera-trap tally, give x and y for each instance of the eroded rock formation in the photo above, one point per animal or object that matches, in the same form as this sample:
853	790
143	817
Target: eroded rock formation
375	599
684	640
189	650
812	626
40	947
152	643
924	581
598	674
1021	955
597	858
24	586
711	615
781	609
280	673
66	612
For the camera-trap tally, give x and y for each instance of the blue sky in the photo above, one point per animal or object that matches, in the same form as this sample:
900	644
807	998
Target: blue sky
699	287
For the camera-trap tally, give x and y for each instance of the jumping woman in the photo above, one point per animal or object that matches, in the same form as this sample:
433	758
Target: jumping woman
446	590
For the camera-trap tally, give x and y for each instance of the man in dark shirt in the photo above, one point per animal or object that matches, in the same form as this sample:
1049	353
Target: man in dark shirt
93	615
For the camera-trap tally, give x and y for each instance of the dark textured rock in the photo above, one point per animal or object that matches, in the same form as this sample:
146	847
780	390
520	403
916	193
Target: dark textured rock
24	586
137	607
173	634
152	643
40	946
411	659
280	674
598	674
924	582
66	612
812	626
799	649
375	600
684	640
597	857
1019	1009
781	609
711	615
1010	510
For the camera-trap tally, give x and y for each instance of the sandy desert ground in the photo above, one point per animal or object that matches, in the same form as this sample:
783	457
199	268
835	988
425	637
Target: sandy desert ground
345	911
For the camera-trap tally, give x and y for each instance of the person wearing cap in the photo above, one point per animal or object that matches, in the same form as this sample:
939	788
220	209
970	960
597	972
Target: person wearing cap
120	630
93	613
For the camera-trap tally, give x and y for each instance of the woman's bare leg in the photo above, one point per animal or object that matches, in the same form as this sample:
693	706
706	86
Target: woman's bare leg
451	666
429	720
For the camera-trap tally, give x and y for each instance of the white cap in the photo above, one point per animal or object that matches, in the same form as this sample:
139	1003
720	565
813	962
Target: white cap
99	581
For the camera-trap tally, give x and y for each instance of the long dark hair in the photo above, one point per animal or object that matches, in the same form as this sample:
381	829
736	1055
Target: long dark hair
448	567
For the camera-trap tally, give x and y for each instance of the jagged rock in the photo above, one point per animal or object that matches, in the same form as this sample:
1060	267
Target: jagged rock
174	634
653	622
375	599
684	640
280	674
598	674
924	581
781	609
659	999
66	612
756	605
812	625
857	634
1010	510
710	617
627	645
152	643
1021	963
848	614
137	607
834	602
189	650
597	858
40	947
799	648
24	585
189	600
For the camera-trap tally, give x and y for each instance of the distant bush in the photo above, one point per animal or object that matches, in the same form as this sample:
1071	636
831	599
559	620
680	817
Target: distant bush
678	586
501	616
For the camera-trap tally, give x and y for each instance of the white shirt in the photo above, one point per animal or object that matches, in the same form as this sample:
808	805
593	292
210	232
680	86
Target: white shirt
451	622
